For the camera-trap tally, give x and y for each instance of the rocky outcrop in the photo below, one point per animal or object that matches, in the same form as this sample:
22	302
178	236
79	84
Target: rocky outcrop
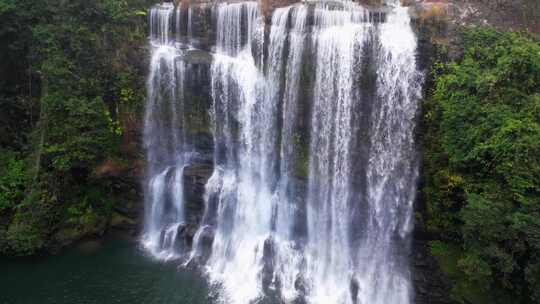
505	15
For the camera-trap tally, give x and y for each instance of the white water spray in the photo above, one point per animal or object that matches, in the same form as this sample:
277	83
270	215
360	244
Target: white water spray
337	231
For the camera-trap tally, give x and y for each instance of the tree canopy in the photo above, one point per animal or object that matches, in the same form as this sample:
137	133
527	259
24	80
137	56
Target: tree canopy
483	162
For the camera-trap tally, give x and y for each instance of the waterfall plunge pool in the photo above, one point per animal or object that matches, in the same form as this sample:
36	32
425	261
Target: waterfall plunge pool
117	271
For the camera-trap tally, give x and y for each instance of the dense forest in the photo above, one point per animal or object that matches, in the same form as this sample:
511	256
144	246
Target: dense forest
72	86
481	129
71	89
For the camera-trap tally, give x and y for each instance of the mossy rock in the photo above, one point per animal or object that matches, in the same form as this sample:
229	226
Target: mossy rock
75	229
67	236
120	221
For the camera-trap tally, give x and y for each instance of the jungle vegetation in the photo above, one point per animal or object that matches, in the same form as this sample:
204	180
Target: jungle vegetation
481	190
71	86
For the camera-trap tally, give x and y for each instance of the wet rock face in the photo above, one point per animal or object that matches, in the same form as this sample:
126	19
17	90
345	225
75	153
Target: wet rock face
195	178
203	238
206	239
185	234
268	267
197	101
300	285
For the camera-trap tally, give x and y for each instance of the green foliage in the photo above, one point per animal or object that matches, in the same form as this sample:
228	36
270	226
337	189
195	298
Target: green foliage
79	132
71	71
26	232
449	258
24	239
6	6
12	181
482	164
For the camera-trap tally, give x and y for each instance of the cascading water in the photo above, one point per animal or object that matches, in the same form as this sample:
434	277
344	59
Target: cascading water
164	138
358	232
312	191
243	161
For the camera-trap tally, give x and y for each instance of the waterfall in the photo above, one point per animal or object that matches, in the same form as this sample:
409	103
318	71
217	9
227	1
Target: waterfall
244	165
337	39
164	138
160	23
343	260
315	166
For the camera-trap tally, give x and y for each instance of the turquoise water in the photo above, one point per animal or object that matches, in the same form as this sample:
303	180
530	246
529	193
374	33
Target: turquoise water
116	272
